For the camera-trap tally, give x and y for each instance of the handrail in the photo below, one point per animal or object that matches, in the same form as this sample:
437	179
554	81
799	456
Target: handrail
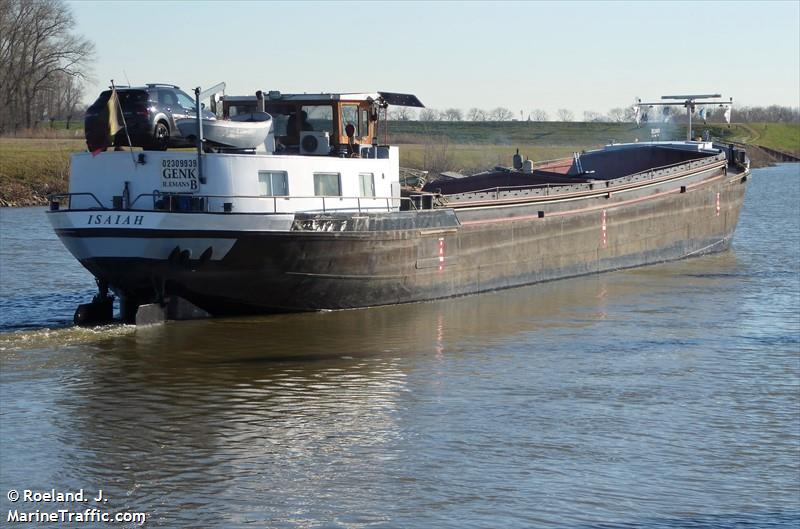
288	198
275	199
56	196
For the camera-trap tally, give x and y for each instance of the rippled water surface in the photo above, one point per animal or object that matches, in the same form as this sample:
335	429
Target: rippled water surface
667	396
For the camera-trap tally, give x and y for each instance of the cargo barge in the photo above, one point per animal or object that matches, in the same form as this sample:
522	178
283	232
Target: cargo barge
319	222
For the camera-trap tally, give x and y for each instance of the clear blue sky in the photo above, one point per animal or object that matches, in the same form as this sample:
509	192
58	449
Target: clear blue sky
581	56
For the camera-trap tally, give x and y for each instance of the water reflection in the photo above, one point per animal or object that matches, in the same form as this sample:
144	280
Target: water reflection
148	426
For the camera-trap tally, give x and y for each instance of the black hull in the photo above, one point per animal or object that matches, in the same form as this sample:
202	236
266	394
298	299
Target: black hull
452	252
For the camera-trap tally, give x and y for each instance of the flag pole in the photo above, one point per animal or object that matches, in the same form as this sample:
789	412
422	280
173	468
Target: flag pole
124	125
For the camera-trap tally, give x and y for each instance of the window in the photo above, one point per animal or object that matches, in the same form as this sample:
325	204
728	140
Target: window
350	116
318	117
273	183
130	97
166	97
327	185
366	182
363	123
241	108
185	101
281	113
280	124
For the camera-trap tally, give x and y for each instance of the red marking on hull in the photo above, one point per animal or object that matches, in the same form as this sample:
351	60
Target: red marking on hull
604	229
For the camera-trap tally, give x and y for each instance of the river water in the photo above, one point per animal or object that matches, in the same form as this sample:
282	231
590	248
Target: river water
666	396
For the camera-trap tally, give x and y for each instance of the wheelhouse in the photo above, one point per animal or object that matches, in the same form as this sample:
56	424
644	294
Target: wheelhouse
335	124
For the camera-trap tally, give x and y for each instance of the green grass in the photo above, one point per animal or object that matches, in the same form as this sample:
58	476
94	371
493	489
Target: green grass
30	169
475	146
514	133
779	136
473	158
75	124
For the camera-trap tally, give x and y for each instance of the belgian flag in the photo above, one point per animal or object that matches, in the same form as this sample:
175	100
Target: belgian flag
114	110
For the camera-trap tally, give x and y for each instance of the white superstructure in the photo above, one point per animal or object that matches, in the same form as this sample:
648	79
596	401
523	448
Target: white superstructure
235	183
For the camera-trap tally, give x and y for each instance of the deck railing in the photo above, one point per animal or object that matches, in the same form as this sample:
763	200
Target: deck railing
189	203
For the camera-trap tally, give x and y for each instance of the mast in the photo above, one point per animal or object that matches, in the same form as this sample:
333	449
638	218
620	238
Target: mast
689	102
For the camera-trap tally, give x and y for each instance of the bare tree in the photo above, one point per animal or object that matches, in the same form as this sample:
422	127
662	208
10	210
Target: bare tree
401	114
452	114
501	114
429	114
591	115
538	115
38	52
618	115
747	114
565	115
477	114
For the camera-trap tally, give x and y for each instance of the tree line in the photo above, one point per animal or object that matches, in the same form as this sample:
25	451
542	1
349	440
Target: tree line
744	114
43	63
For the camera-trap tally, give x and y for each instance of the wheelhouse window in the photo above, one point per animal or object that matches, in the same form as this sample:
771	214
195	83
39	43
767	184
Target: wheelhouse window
363	123
316	117
327	184
350	116
273	183
366	182
241	108
281	114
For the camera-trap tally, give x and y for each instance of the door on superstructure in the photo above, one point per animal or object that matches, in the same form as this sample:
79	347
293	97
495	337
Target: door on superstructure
357	117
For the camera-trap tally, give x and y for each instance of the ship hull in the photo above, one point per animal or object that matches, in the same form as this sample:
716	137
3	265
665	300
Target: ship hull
469	248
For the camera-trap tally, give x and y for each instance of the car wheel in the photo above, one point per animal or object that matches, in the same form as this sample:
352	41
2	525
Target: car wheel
161	136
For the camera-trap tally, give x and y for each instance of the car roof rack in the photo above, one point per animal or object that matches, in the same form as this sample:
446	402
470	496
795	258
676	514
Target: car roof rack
153	85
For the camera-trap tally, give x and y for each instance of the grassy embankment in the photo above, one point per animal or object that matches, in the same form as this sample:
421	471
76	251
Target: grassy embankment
469	146
31	168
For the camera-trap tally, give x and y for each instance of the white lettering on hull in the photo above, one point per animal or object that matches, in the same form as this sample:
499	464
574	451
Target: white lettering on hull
101	219
176	222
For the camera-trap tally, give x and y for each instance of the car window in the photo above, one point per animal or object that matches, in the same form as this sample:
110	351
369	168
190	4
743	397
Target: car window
185	101
130	97
102	99
167	97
